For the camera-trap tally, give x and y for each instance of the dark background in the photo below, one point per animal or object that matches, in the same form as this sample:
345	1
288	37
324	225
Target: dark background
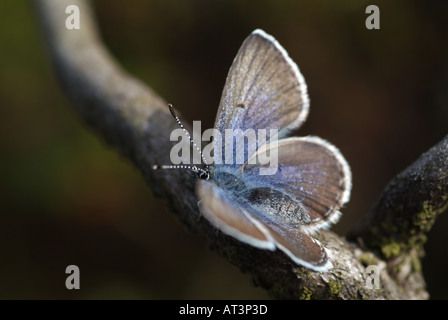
66	198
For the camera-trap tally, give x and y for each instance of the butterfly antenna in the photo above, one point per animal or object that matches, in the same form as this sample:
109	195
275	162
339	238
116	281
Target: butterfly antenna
203	174
173	113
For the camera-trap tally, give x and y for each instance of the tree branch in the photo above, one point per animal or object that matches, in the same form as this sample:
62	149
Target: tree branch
135	120
396	229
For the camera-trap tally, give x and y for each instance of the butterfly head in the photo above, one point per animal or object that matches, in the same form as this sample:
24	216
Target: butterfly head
203	174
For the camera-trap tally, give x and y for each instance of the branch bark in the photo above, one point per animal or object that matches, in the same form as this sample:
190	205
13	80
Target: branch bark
135	120
396	228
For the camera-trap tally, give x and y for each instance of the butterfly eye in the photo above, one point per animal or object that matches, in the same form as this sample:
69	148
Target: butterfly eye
203	175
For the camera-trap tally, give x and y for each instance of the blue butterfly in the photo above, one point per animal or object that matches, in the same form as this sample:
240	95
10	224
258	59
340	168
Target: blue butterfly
265	90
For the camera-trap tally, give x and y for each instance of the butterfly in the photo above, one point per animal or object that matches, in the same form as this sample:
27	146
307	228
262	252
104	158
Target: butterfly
264	89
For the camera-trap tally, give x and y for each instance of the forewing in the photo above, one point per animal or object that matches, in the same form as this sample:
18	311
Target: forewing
264	89
311	171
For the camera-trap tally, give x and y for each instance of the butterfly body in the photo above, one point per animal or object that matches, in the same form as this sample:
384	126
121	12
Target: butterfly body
266	200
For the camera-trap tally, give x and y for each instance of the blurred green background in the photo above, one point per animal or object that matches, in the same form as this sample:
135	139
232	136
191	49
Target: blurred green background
67	198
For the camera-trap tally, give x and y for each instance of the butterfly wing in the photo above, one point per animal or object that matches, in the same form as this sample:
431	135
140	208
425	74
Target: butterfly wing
299	246
264	90
309	170
252	226
229	217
